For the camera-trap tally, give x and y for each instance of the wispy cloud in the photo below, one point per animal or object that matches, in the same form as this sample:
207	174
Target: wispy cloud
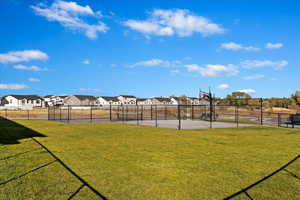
248	91
34	80
213	70
178	22
22	56
223	87
175	71
90	90
30	68
155	63
70	15
86	62
277	65
253	77
270	45
13	86
237	47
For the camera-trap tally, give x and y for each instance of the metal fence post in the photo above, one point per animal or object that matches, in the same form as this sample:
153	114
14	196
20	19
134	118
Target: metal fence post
126	114
48	113
237	119
27	114
151	112
156	125
110	111
278	119
261	111
179	117
91	114
210	110
165	112
6	113
68	113
122	113
142	113
137	114
192	111
60	113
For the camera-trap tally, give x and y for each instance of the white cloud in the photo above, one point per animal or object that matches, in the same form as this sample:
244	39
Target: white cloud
236	47
223	87
34	80
174	22
274	45
155	63
22	56
86	62
175	71
253	77
277	65
90	90
30	68
248	91
69	15
213	70
13	86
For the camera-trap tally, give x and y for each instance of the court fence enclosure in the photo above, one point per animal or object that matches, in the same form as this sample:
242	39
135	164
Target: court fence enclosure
168	116
171	116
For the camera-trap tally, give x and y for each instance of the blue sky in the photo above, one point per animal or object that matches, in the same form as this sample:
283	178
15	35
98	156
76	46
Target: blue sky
149	48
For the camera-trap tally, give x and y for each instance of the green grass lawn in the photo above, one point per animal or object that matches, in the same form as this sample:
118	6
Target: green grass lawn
131	162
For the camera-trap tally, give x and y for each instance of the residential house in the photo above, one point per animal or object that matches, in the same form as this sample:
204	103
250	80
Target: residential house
144	101
104	100
127	99
22	101
80	100
181	101
51	100
197	101
161	101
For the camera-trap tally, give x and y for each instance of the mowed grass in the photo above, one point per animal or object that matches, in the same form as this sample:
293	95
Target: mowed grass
133	162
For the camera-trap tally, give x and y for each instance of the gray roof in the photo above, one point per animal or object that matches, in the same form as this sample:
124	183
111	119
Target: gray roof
28	97
128	96
110	98
86	97
161	99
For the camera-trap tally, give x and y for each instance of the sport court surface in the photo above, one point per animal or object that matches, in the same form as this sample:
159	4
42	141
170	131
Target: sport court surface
173	124
139	162
186	124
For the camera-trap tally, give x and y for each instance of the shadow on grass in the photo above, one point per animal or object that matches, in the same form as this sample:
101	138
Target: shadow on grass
11	132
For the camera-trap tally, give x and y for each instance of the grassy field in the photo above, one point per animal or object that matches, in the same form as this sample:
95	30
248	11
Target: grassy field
130	162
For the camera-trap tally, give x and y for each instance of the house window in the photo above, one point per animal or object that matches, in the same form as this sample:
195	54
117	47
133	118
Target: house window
37	101
10	101
23	101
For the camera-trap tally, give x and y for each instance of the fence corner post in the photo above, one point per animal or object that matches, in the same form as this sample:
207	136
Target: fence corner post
261	111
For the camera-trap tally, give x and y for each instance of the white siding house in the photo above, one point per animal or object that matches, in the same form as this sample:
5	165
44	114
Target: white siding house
108	101
127	99
144	101
22	101
161	101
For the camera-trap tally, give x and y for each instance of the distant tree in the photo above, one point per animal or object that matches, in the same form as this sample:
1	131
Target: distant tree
238	98
296	97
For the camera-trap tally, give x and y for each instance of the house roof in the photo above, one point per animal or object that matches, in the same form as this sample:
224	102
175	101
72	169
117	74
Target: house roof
142	99
48	96
127	96
84	97
161	99
28	97
115	99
